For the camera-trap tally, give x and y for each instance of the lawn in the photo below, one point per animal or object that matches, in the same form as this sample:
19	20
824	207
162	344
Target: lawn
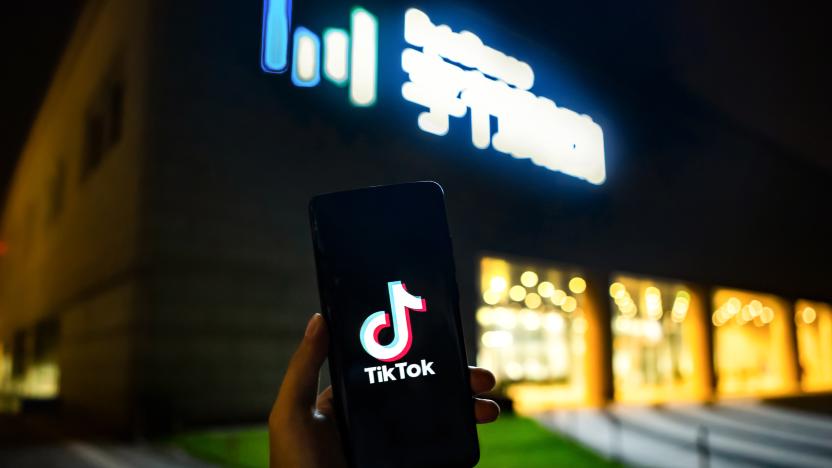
510	442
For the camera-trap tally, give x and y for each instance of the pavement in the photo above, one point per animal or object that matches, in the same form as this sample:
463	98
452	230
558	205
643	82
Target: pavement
77	454
45	440
729	434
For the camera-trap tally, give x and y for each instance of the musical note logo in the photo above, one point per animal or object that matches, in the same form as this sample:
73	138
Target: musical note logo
401	303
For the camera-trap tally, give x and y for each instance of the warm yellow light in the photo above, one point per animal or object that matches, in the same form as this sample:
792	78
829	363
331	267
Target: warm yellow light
497	339
485	316
745	313
545	289
577	285
652	294
569	304
514	371
629	310
517	293
617	290
716	318
554	322
505	318
767	315
652	331
653	302
498	284
579	325
491	297
531	320
809	315
558	297
680	306
528	279
624	301
532	301
755	307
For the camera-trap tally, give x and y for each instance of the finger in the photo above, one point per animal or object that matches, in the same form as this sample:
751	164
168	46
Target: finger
486	411
300	384
482	380
324	404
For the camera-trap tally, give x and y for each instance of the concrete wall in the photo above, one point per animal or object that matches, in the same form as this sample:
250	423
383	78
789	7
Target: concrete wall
74	250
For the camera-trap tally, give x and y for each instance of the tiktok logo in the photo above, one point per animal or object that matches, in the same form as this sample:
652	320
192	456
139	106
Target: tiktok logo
401	303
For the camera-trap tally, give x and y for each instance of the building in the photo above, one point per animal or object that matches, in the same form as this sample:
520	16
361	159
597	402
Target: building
159	269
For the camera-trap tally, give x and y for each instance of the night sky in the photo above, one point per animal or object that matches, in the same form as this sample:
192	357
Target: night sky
34	35
762	67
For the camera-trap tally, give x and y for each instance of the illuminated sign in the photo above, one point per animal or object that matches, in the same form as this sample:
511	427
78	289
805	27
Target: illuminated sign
450	74
344	60
455	72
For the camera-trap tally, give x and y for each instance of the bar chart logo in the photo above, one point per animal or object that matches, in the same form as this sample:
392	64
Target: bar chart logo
348	59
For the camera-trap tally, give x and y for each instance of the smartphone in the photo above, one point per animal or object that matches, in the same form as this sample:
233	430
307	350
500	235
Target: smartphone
397	361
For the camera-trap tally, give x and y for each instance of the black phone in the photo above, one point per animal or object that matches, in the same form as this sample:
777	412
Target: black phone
388	291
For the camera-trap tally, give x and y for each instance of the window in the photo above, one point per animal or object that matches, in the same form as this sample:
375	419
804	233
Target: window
752	354
814	344
533	324
658	347
93	142
43	376
103	125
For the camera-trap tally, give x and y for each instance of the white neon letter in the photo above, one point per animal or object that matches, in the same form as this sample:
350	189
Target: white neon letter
336	50
363	57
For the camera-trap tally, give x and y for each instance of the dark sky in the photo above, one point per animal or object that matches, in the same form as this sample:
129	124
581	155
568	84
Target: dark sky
34	35
763	66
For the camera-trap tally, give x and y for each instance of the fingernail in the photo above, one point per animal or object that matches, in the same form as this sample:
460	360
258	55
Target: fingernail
313	325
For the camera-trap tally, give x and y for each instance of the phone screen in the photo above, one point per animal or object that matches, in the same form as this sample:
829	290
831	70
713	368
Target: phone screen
389	295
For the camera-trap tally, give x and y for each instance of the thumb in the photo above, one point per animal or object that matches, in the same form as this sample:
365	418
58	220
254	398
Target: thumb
300	385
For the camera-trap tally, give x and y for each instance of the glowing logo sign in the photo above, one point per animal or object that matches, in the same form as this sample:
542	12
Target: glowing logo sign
494	84
344	61
451	74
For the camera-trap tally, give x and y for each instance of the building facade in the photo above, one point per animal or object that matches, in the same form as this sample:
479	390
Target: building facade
159	269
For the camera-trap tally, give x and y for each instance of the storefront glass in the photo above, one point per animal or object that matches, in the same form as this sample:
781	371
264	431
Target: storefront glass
814	342
753	351
658	341
532	328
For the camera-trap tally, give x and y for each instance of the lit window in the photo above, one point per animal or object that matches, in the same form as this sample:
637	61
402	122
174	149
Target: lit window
532	332
659	349
814	342
752	355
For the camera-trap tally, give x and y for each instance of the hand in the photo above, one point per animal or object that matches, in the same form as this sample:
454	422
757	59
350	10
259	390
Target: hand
302	429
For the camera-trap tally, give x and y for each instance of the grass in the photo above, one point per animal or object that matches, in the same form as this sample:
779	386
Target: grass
510	442
522	442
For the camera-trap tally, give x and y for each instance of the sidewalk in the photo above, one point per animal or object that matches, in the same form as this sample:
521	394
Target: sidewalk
735	434
44	441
